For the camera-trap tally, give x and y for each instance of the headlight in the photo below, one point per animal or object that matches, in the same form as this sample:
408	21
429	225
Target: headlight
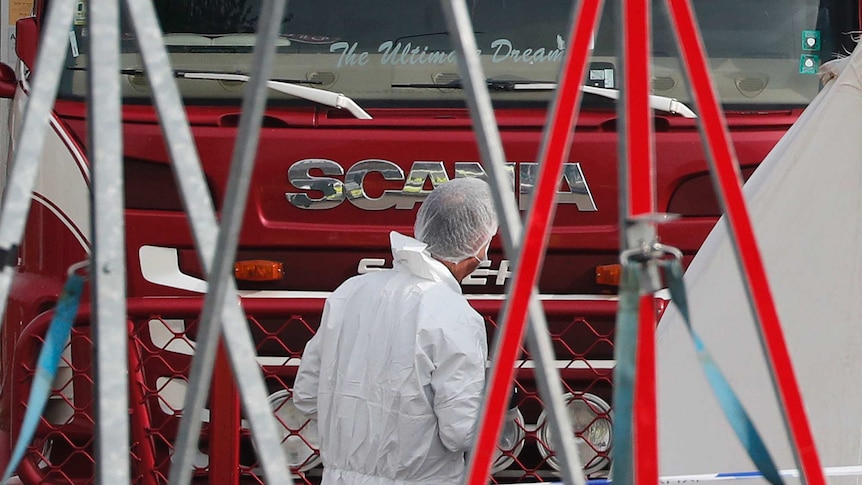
591	424
511	441
300	441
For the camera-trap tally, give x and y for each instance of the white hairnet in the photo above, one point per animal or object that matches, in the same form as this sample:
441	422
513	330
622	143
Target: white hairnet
457	219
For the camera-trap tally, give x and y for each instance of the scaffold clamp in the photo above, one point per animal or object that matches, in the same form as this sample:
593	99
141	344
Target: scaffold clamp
8	256
646	250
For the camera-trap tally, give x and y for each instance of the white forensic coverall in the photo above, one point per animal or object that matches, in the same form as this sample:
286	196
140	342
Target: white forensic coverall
395	374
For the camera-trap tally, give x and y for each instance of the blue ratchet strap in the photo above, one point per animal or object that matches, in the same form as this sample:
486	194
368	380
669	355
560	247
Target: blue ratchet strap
736	415
46	367
625	350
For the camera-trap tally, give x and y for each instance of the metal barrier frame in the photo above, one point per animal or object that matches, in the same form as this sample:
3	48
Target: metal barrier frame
222	313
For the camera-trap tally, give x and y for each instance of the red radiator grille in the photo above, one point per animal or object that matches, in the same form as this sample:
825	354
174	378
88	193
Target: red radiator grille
162	339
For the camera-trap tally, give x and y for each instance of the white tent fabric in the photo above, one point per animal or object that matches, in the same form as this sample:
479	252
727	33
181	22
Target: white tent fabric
805	202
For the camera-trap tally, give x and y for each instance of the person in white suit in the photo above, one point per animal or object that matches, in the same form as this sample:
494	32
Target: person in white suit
396	372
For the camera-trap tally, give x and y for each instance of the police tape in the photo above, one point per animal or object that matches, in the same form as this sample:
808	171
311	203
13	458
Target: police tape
835	471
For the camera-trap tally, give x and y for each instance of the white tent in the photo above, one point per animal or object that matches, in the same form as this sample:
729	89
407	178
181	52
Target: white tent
805	202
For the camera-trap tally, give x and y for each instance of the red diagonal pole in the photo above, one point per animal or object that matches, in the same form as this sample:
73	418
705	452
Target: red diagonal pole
555	150
728	182
637	196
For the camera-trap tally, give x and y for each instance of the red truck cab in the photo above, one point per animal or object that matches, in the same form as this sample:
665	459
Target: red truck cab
330	183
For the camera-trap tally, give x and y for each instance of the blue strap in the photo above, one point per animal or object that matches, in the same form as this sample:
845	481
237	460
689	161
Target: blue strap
625	350
46	367
736	415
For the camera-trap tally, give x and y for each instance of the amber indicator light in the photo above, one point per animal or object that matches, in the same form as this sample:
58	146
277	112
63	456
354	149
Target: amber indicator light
258	270
608	274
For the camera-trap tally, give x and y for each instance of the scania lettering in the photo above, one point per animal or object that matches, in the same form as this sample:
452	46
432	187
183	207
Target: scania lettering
366	115
353	188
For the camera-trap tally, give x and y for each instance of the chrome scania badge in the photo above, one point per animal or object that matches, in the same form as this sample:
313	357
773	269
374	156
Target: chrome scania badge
330	192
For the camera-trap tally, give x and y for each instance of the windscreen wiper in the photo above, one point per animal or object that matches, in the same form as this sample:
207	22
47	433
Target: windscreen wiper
134	71
290	87
493	85
326	98
659	103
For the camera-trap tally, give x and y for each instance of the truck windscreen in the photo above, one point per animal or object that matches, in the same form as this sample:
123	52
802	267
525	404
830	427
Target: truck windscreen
763	53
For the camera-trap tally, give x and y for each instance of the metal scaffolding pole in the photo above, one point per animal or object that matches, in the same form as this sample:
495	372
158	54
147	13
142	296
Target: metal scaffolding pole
25	163
108	269
638	230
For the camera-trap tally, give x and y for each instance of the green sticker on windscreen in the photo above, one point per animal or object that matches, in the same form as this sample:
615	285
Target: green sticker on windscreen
811	40
808	64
